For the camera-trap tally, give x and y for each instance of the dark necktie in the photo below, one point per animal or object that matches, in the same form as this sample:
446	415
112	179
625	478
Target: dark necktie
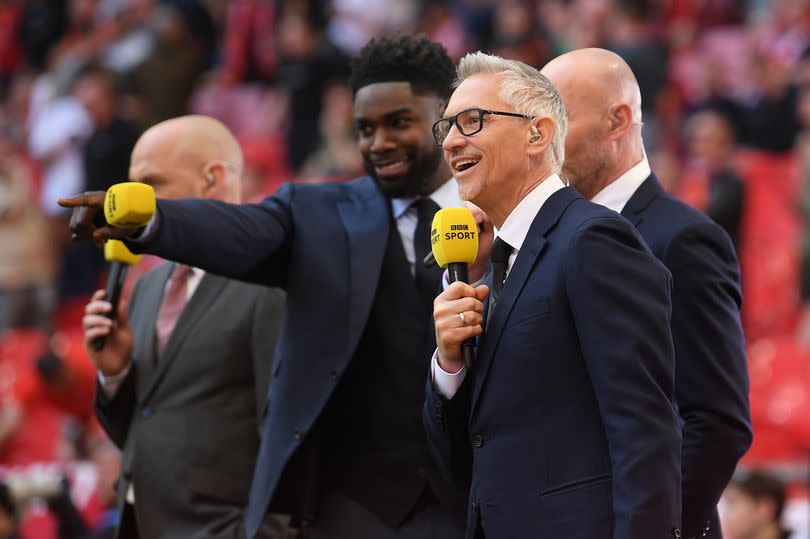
499	259
427	279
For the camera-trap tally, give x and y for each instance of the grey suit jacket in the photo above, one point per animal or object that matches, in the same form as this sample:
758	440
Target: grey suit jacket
188	421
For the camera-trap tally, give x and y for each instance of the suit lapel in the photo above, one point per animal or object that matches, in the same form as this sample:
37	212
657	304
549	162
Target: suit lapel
366	219
529	256
634	210
149	298
207	291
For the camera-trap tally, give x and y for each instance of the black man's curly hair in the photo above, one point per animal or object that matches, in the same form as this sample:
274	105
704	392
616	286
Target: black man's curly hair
405	58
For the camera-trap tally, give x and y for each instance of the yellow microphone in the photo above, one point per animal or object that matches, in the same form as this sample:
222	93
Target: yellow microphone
120	259
129	205
454	243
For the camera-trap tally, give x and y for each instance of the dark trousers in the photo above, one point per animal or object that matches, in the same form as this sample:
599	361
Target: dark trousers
340	517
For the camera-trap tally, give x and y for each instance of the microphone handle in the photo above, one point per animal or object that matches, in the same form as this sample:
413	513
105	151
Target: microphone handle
115	283
459	271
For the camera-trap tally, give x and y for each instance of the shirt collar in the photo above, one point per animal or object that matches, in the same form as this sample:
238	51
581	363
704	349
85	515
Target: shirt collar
446	196
616	194
518	222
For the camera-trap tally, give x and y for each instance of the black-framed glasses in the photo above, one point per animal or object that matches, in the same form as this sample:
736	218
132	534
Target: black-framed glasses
468	122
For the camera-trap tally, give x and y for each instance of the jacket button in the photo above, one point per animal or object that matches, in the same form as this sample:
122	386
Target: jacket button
676	533
477	440
146	412
297	434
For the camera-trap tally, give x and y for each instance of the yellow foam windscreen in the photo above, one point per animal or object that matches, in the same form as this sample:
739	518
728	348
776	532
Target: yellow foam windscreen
116	251
129	204
454	236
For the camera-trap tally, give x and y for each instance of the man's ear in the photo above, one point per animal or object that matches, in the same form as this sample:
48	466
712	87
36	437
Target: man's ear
621	119
541	132
214	173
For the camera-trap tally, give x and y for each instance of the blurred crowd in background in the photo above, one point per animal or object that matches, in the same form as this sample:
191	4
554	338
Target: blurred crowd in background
726	110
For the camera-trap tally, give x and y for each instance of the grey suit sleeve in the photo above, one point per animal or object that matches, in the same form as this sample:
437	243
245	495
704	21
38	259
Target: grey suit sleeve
115	412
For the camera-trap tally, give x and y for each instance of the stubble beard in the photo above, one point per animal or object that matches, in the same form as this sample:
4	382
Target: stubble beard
585	174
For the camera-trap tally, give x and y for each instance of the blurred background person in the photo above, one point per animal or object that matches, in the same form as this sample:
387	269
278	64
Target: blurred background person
27	265
710	180
752	507
8	514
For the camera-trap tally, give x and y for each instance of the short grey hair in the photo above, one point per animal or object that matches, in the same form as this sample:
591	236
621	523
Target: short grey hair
526	89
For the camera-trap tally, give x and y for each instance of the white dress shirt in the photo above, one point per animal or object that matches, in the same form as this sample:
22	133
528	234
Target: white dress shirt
407	216
616	194
513	231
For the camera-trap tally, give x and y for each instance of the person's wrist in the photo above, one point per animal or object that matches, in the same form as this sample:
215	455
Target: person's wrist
111	375
450	366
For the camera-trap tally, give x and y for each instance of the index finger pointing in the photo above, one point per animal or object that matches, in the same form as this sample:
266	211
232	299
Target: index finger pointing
90	198
74	201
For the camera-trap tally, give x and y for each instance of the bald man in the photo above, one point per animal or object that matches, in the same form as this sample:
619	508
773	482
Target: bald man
605	160
184	372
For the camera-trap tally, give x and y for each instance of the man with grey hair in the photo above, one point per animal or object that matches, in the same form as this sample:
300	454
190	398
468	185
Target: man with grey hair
606	162
565	426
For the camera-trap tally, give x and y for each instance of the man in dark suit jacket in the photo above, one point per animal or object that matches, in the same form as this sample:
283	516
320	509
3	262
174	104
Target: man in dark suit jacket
343	445
566	422
606	162
185	403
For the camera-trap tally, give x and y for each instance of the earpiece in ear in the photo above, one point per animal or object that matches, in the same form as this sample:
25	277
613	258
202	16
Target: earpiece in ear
210	179
535	135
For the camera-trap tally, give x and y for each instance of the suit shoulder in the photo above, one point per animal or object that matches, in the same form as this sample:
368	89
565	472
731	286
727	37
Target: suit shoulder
676	214
590	220
669	221
587	214
329	189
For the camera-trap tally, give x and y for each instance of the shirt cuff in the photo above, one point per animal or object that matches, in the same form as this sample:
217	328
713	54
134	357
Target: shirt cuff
110	384
446	383
147	233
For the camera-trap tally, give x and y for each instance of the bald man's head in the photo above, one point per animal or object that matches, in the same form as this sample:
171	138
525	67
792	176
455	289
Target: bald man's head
603	101
190	156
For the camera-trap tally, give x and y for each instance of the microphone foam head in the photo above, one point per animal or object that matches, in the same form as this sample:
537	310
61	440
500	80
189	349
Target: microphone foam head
129	204
454	236
116	251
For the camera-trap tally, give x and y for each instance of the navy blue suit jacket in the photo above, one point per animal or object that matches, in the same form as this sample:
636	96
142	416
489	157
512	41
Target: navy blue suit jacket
324	244
567	420
711	372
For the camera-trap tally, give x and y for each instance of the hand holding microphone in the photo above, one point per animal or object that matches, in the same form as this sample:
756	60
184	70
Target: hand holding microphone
486	234
107	336
120	259
112	214
457	311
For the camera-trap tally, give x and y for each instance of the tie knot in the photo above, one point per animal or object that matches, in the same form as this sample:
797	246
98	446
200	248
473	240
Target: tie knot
425	208
500	251
181	273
